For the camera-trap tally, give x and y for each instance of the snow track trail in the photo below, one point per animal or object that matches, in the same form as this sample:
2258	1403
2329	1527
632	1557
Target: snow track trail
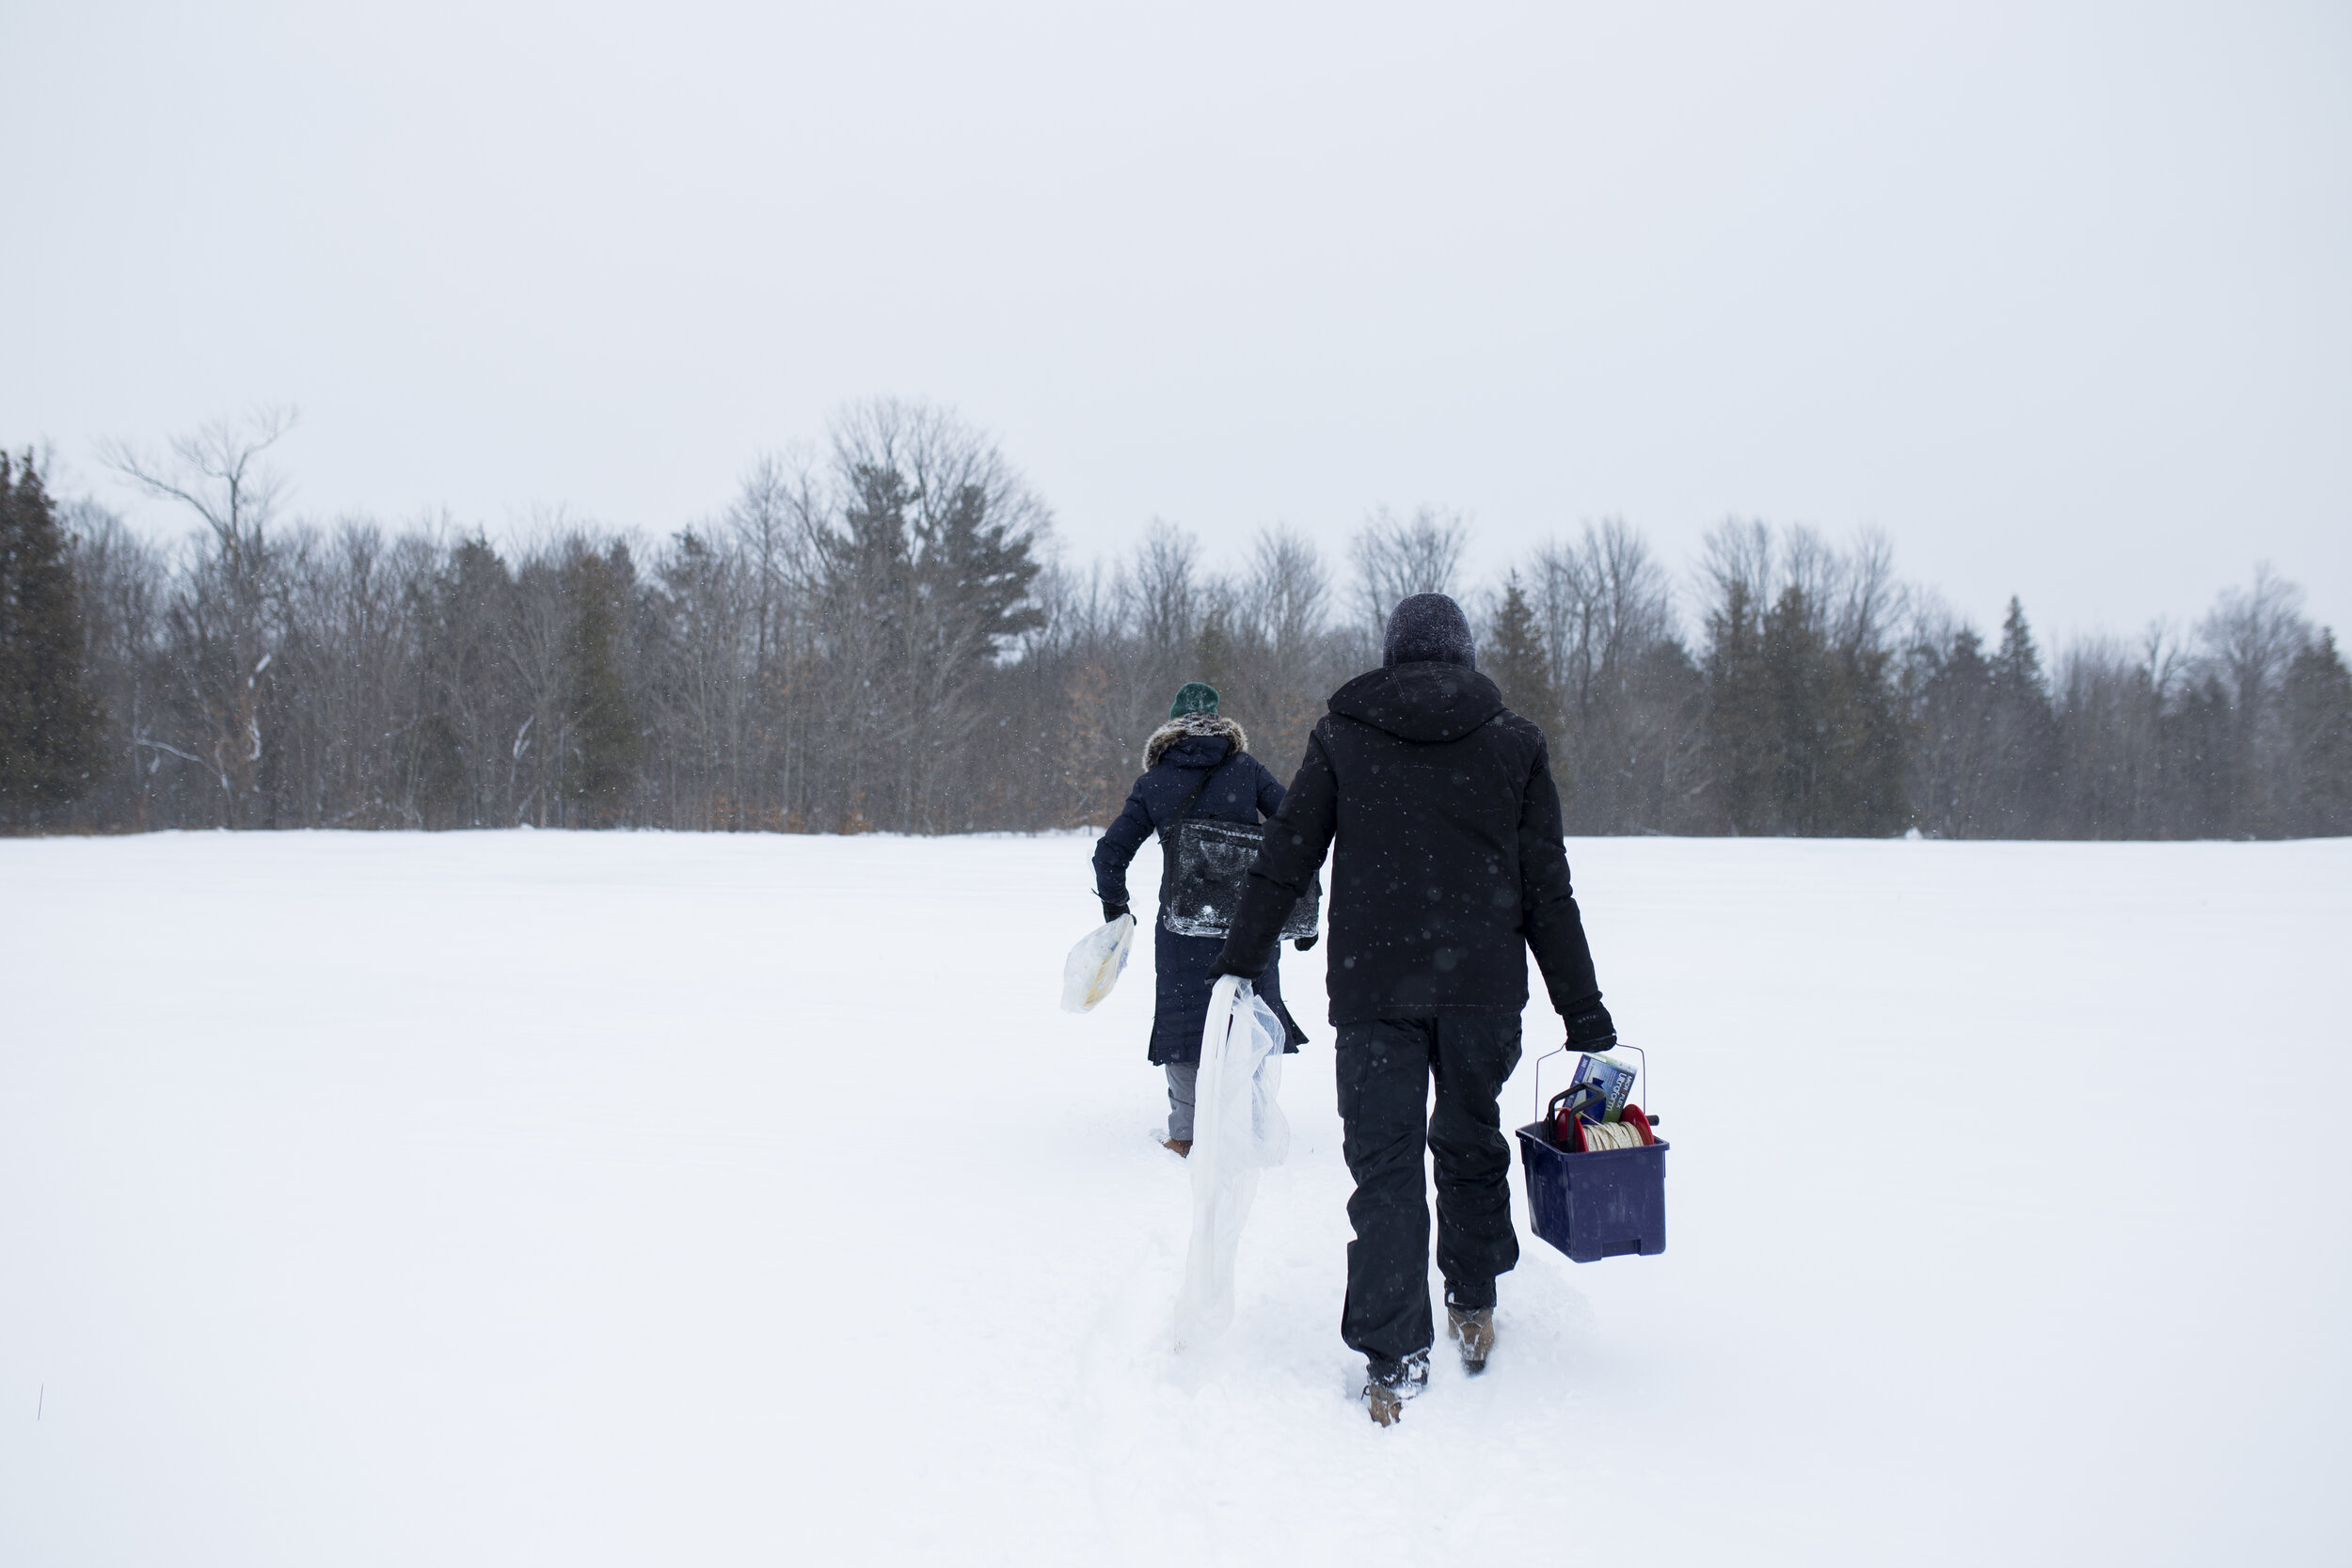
523	1199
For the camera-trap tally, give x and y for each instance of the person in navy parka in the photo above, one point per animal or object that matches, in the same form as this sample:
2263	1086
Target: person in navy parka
1196	740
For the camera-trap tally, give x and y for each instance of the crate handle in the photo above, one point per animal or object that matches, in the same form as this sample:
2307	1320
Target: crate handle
1539	1079
1646	1085
1649	1089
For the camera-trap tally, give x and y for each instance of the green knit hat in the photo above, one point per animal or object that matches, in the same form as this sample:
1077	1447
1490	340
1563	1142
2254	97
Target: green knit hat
1194	697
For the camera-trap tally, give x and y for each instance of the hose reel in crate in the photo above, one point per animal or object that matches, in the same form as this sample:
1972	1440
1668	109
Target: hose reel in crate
1566	1116
1603	1193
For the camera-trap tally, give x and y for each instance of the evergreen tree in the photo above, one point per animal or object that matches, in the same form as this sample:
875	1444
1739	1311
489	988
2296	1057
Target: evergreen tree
1807	737
2318	708
2024	732
1955	705
978	569
867	614
1213	653
2017	668
1514	659
1807	732
471	733
1740	728
1874	753
49	720
921	591
2199	743
606	739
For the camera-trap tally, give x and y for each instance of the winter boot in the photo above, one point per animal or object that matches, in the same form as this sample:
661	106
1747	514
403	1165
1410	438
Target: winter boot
1387	1386
1473	1331
1178	1146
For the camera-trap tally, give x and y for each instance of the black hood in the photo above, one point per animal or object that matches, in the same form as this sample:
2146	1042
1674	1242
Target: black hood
1426	702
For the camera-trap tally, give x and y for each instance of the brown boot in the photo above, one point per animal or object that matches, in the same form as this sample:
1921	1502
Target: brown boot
1386	1390
1178	1146
1473	1330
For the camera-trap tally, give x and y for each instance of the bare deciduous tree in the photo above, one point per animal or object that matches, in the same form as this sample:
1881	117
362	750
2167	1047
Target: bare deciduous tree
224	631
1398	557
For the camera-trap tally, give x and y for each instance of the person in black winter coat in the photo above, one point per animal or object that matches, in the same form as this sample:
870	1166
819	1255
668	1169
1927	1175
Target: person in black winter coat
1194	746
1450	867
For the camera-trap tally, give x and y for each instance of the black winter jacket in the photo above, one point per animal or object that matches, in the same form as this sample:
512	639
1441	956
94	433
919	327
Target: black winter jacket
1449	863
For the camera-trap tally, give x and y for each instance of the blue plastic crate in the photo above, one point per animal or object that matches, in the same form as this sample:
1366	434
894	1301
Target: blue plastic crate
1610	1204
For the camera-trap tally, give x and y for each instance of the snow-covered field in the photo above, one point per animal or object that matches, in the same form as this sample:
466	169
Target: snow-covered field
528	1198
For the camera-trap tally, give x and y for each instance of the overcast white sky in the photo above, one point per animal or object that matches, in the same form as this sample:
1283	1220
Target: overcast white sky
2060	295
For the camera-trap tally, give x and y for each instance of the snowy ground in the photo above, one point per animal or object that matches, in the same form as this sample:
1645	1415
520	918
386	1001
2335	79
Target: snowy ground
534	1198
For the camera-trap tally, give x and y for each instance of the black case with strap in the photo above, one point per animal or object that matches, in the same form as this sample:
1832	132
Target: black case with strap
1204	865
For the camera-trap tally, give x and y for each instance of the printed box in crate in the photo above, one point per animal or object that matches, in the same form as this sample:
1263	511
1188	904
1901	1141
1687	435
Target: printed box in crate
1612	1079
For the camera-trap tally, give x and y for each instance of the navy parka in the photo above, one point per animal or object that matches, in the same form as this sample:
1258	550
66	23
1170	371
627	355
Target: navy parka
1239	791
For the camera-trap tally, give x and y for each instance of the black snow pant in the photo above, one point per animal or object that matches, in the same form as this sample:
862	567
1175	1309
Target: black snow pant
1384	1071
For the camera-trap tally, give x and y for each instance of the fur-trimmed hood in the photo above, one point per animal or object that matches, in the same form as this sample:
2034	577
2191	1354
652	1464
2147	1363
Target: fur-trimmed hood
1207	725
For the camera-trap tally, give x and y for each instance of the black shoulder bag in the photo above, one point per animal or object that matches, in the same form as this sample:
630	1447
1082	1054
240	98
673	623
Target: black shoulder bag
1204	865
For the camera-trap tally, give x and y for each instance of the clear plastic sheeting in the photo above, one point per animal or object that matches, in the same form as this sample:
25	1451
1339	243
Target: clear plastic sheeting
1238	1130
1095	964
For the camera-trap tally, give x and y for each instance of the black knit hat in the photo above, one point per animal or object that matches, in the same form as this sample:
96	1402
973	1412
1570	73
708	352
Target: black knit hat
1428	628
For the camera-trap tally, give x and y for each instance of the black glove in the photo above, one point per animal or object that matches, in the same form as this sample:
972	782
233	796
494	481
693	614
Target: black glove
1302	944
1591	1029
1227	964
1112	912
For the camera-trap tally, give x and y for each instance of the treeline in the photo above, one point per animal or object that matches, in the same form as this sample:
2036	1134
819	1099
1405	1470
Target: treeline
881	636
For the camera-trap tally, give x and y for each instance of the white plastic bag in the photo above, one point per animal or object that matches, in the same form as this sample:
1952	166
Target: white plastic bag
1096	963
1238	1130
